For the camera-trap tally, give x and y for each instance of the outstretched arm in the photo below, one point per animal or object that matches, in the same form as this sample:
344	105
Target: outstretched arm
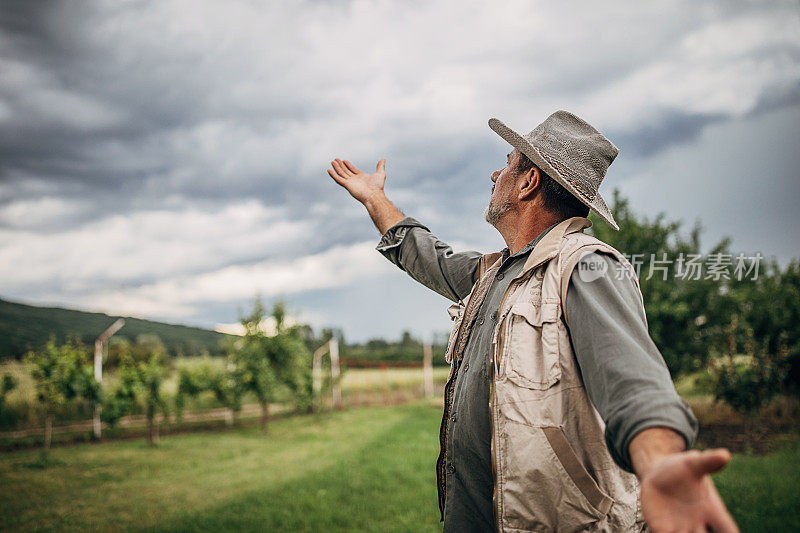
368	189
677	491
648	426
407	243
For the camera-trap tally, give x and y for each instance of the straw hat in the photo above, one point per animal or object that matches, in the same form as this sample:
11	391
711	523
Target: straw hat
570	151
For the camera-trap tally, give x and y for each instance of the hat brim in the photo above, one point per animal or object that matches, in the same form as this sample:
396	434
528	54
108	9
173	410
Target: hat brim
598	205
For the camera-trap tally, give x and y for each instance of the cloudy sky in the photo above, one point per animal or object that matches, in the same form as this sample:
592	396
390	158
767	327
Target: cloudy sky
167	159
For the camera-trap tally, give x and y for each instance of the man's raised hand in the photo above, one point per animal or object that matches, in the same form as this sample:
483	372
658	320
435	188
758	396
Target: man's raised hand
362	186
368	189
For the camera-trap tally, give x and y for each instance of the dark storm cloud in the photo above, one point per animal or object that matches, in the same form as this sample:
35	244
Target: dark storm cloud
677	128
93	117
198	133
106	118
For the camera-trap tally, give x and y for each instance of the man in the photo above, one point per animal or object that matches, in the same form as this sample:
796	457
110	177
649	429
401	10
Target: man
559	414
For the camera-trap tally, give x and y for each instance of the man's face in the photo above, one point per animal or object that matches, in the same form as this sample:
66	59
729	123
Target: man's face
503	190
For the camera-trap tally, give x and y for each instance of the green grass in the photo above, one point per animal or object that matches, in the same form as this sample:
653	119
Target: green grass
358	470
366	470
763	493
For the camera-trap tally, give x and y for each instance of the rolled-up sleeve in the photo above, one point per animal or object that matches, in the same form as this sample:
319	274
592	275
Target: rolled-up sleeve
412	247
623	371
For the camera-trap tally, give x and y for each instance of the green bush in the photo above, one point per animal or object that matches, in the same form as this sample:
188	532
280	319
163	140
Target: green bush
747	383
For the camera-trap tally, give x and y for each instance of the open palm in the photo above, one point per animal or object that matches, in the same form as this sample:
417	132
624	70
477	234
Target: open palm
358	183
678	495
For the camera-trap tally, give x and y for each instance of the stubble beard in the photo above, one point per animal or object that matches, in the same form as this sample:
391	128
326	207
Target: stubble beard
495	211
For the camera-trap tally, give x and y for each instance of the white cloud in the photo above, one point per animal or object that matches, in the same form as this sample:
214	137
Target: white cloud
181	296
37	212
124	250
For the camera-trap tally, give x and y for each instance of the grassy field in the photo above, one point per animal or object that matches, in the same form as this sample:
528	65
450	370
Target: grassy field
358	470
365	469
763	492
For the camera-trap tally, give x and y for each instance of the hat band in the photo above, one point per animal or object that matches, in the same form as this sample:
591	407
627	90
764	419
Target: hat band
568	174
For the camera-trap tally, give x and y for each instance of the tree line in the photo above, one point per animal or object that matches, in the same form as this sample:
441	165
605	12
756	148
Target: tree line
739	330
258	362
740	334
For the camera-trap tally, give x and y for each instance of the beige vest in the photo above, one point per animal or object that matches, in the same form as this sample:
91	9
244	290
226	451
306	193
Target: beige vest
552	469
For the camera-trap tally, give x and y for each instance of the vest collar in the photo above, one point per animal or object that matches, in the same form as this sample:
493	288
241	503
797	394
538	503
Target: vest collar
547	248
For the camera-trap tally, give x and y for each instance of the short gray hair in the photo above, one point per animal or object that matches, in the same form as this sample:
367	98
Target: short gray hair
557	199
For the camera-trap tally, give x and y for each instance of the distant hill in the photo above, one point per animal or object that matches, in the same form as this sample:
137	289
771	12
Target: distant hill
25	327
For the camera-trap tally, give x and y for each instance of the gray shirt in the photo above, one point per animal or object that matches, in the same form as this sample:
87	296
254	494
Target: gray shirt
623	371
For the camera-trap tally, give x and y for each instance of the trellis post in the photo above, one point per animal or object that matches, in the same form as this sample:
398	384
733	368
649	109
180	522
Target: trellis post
99	346
331	347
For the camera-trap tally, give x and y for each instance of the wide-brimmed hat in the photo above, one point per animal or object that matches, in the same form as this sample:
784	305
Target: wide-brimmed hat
572	152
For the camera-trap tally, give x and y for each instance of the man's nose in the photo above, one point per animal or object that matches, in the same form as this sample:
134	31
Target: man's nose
494	176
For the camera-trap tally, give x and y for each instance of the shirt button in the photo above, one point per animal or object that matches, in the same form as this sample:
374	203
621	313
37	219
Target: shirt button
494	316
451	468
481	320
500	276
466	367
453	420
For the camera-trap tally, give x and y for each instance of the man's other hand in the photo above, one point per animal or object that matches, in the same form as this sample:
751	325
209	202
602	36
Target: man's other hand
678	494
362	186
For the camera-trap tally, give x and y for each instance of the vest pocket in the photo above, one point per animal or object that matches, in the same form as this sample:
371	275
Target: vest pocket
584	482
545	487
532	347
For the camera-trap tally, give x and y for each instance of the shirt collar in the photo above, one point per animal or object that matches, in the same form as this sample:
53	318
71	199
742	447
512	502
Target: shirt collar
525	250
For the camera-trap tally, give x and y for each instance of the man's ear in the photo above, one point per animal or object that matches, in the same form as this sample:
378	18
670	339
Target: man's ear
528	183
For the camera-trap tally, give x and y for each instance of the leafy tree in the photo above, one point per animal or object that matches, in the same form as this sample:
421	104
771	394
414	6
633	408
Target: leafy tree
291	361
768	310
7	384
151	376
147	344
407	349
122	400
252	358
139	384
747	383
686	316
63	373
762	341
313	342
749	329
377	344
407	341
226	385
265	362
229	388
120	348
189	384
